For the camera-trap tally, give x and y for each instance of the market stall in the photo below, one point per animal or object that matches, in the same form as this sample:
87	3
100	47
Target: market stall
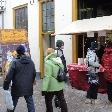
79	79
77	72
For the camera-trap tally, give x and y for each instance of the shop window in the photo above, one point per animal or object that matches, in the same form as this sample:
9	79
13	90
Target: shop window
21	18
48	16
87	44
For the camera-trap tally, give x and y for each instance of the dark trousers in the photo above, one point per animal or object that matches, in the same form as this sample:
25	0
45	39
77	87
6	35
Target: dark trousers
29	101
48	100
109	91
93	91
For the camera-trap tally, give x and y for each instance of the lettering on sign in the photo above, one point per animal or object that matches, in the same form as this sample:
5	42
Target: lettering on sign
13	36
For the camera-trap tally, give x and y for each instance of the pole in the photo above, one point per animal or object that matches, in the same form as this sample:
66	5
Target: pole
83	48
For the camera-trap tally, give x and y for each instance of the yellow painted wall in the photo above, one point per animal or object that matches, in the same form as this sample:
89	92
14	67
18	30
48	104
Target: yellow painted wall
74	37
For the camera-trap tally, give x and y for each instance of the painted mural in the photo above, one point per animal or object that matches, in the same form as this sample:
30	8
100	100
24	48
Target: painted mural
9	40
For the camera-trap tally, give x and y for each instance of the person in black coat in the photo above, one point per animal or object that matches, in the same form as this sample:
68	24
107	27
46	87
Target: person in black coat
22	74
60	47
59	51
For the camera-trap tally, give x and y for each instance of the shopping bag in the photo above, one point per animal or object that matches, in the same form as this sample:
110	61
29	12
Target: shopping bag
8	100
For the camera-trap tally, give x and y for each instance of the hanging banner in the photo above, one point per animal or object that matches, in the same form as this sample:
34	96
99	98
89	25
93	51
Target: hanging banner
90	34
8	36
101	33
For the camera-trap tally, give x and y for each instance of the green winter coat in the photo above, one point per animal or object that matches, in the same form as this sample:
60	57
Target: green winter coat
50	83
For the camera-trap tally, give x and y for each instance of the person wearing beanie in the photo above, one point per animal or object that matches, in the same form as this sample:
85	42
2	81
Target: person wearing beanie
59	43
20	50
93	78
59	51
22	74
94	46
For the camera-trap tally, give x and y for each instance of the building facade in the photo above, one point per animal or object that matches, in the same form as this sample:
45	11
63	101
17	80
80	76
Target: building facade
41	18
23	14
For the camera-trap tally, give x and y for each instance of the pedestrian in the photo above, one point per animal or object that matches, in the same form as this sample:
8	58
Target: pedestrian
59	52
93	69
51	86
107	64
100	53
22	74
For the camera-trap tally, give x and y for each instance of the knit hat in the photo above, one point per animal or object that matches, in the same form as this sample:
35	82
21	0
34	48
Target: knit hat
20	49
59	43
93	45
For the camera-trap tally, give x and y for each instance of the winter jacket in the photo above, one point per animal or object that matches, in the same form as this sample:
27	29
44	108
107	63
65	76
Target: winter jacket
92	61
61	55
22	74
93	66
50	83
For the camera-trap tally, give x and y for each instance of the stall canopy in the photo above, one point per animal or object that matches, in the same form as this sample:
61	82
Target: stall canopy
88	25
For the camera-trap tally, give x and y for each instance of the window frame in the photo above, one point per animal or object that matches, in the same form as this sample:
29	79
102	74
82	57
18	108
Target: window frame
14	15
51	22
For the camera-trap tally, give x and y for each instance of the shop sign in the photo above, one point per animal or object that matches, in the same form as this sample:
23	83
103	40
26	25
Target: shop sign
101	33
90	34
9	36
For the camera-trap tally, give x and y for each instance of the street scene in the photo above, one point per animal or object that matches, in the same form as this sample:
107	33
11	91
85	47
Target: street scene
75	100
55	55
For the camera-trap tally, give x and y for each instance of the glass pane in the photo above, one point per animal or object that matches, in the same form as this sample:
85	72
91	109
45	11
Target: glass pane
44	13
44	27
48	13
52	19
48	5
52	5
43	6
44	20
52	12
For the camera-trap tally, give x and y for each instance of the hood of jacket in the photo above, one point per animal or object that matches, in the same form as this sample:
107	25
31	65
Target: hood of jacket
53	57
24	59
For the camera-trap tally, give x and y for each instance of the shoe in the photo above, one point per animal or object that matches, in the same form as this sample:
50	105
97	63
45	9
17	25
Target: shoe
9	110
96	101
88	101
93	101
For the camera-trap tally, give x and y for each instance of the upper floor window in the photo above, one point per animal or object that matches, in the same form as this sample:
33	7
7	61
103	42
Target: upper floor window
48	16
21	18
94	8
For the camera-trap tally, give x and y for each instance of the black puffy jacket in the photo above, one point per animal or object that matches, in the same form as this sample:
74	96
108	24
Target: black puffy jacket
22	74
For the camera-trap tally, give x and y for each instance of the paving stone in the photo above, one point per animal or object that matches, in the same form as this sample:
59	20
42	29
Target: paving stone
75	101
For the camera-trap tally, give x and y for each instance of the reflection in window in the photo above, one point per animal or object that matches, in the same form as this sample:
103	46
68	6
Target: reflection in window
48	16
21	18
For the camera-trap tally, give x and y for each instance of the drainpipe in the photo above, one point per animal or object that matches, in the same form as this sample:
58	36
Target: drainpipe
2	19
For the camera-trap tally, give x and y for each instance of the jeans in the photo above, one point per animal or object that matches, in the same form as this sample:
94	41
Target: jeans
29	101
93	91
48	100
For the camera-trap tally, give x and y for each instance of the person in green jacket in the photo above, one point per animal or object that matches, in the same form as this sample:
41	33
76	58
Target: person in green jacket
51	86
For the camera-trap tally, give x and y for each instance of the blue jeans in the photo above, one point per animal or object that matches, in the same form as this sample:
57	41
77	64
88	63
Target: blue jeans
29	101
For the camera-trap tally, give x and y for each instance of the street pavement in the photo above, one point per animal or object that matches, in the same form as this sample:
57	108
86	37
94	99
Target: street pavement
75	101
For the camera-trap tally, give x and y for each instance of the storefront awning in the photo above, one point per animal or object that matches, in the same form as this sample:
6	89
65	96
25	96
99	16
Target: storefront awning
88	25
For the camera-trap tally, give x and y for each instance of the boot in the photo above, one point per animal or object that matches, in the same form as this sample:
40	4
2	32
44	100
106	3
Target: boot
9	110
88	101
93	101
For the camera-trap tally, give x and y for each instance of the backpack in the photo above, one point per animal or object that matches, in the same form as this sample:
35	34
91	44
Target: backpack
61	76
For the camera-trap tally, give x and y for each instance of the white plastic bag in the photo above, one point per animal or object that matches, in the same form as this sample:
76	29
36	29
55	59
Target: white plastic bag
8	100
